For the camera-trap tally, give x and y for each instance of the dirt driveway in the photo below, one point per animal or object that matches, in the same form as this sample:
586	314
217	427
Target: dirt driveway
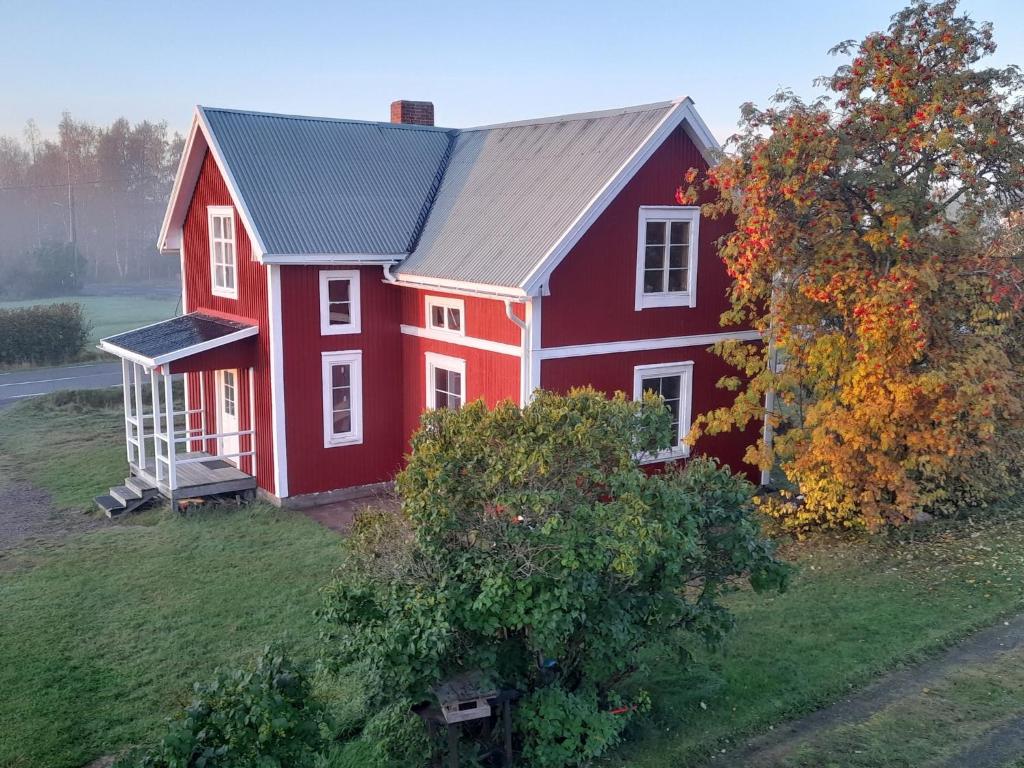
27	515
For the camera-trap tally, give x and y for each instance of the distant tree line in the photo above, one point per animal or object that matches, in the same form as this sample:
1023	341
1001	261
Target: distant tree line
85	206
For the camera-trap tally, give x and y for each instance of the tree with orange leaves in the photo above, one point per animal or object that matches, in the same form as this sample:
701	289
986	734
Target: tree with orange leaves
877	250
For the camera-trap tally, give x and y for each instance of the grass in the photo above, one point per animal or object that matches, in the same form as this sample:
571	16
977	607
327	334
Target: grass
855	609
111	314
109	629
71	444
104	634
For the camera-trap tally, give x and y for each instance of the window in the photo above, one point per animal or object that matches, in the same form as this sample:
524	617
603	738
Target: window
666	262
674	382
343	398
339	301
229	395
446	381
444	314
223	270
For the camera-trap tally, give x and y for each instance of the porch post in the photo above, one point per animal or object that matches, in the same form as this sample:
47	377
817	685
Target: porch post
202	412
172	474
154	392
140	415
128	438
252	423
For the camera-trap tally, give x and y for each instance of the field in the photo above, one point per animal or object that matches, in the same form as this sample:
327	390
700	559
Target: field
110	624
112	314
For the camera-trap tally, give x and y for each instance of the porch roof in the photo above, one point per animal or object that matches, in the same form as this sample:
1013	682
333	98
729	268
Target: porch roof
174	339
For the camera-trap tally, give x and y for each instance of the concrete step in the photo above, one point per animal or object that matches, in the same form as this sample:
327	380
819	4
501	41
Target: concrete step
111	507
125	494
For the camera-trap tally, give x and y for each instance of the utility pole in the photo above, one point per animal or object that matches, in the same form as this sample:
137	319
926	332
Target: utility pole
72	230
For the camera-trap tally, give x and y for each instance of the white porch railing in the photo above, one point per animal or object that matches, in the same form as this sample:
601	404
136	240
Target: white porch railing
166	435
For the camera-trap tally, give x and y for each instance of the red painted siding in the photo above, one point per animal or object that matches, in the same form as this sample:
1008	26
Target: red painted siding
485	318
312	467
250	305
592	290
612	373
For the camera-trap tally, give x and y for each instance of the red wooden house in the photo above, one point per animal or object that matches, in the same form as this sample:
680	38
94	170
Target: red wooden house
339	277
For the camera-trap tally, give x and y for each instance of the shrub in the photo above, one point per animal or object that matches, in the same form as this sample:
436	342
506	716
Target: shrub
533	546
263	716
42	334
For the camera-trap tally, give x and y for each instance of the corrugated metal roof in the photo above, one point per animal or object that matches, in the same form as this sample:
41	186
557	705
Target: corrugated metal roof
511	191
322	186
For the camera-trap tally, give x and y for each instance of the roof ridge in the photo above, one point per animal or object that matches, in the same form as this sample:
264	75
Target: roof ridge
614	112
321	119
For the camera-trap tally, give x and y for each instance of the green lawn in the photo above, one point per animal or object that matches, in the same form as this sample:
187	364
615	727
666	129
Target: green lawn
112	314
107	630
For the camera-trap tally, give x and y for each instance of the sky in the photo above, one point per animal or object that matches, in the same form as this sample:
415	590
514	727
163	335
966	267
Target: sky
479	62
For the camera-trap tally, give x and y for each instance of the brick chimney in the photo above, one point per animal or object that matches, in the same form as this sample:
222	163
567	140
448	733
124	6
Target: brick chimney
412	112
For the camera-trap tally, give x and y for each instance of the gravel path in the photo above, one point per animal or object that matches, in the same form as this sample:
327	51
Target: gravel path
27	514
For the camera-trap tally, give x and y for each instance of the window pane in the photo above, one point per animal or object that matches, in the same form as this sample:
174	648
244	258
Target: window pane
229	277
680	232
341	398
454	319
342	422
216	226
339	375
337	290
437	316
677	280
441	379
654	257
454	382
670	387
218	276
676	256
653	281
229	230
454	402
229	252
655	232
651	385
340	313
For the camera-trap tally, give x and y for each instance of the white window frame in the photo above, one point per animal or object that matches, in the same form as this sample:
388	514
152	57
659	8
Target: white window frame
434	361
354	359
355	326
447	303
688	298
224	212
685	371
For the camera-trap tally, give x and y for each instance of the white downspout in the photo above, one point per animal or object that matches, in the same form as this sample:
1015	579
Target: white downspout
524	360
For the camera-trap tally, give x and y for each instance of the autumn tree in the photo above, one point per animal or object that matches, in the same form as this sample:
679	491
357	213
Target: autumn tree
877	250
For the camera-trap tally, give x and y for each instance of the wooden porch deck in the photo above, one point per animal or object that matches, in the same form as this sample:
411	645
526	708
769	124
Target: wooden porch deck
210	477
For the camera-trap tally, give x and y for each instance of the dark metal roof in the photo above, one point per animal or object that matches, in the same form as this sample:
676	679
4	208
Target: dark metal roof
318	186
177	338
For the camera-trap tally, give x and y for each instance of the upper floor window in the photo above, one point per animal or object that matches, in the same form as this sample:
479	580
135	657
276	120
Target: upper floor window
674	382
666	261
342	376
223	259
339	301
444	314
446	381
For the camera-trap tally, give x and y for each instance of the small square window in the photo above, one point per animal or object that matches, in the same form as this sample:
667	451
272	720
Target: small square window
667	257
445	314
446	381
673	382
339	302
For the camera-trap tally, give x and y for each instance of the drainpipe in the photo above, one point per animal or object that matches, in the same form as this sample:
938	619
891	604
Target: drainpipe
524	365
388	277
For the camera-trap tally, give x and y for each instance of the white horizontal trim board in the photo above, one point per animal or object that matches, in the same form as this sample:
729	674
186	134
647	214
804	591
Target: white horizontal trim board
642	345
463	341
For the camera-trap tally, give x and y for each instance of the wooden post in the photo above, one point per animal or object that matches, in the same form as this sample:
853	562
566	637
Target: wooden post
252	423
154	396
202	414
129	440
140	415
172	475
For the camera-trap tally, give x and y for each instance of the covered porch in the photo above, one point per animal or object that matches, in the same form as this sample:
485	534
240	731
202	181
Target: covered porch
180	442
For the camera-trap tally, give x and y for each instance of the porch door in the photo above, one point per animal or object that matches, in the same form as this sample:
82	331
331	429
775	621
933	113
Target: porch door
227	414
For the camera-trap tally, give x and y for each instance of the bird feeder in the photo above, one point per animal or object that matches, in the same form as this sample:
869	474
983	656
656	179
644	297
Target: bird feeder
463	700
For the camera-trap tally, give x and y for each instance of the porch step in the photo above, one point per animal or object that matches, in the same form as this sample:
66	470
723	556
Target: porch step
126	498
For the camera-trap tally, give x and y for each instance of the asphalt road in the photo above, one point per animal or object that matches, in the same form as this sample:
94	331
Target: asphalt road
17	385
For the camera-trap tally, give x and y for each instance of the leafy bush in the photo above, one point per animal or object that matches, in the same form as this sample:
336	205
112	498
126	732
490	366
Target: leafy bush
533	546
261	716
42	334
52	269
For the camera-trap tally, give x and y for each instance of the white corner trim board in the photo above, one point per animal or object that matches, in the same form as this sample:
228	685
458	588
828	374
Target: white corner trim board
642	345
277	412
463	341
